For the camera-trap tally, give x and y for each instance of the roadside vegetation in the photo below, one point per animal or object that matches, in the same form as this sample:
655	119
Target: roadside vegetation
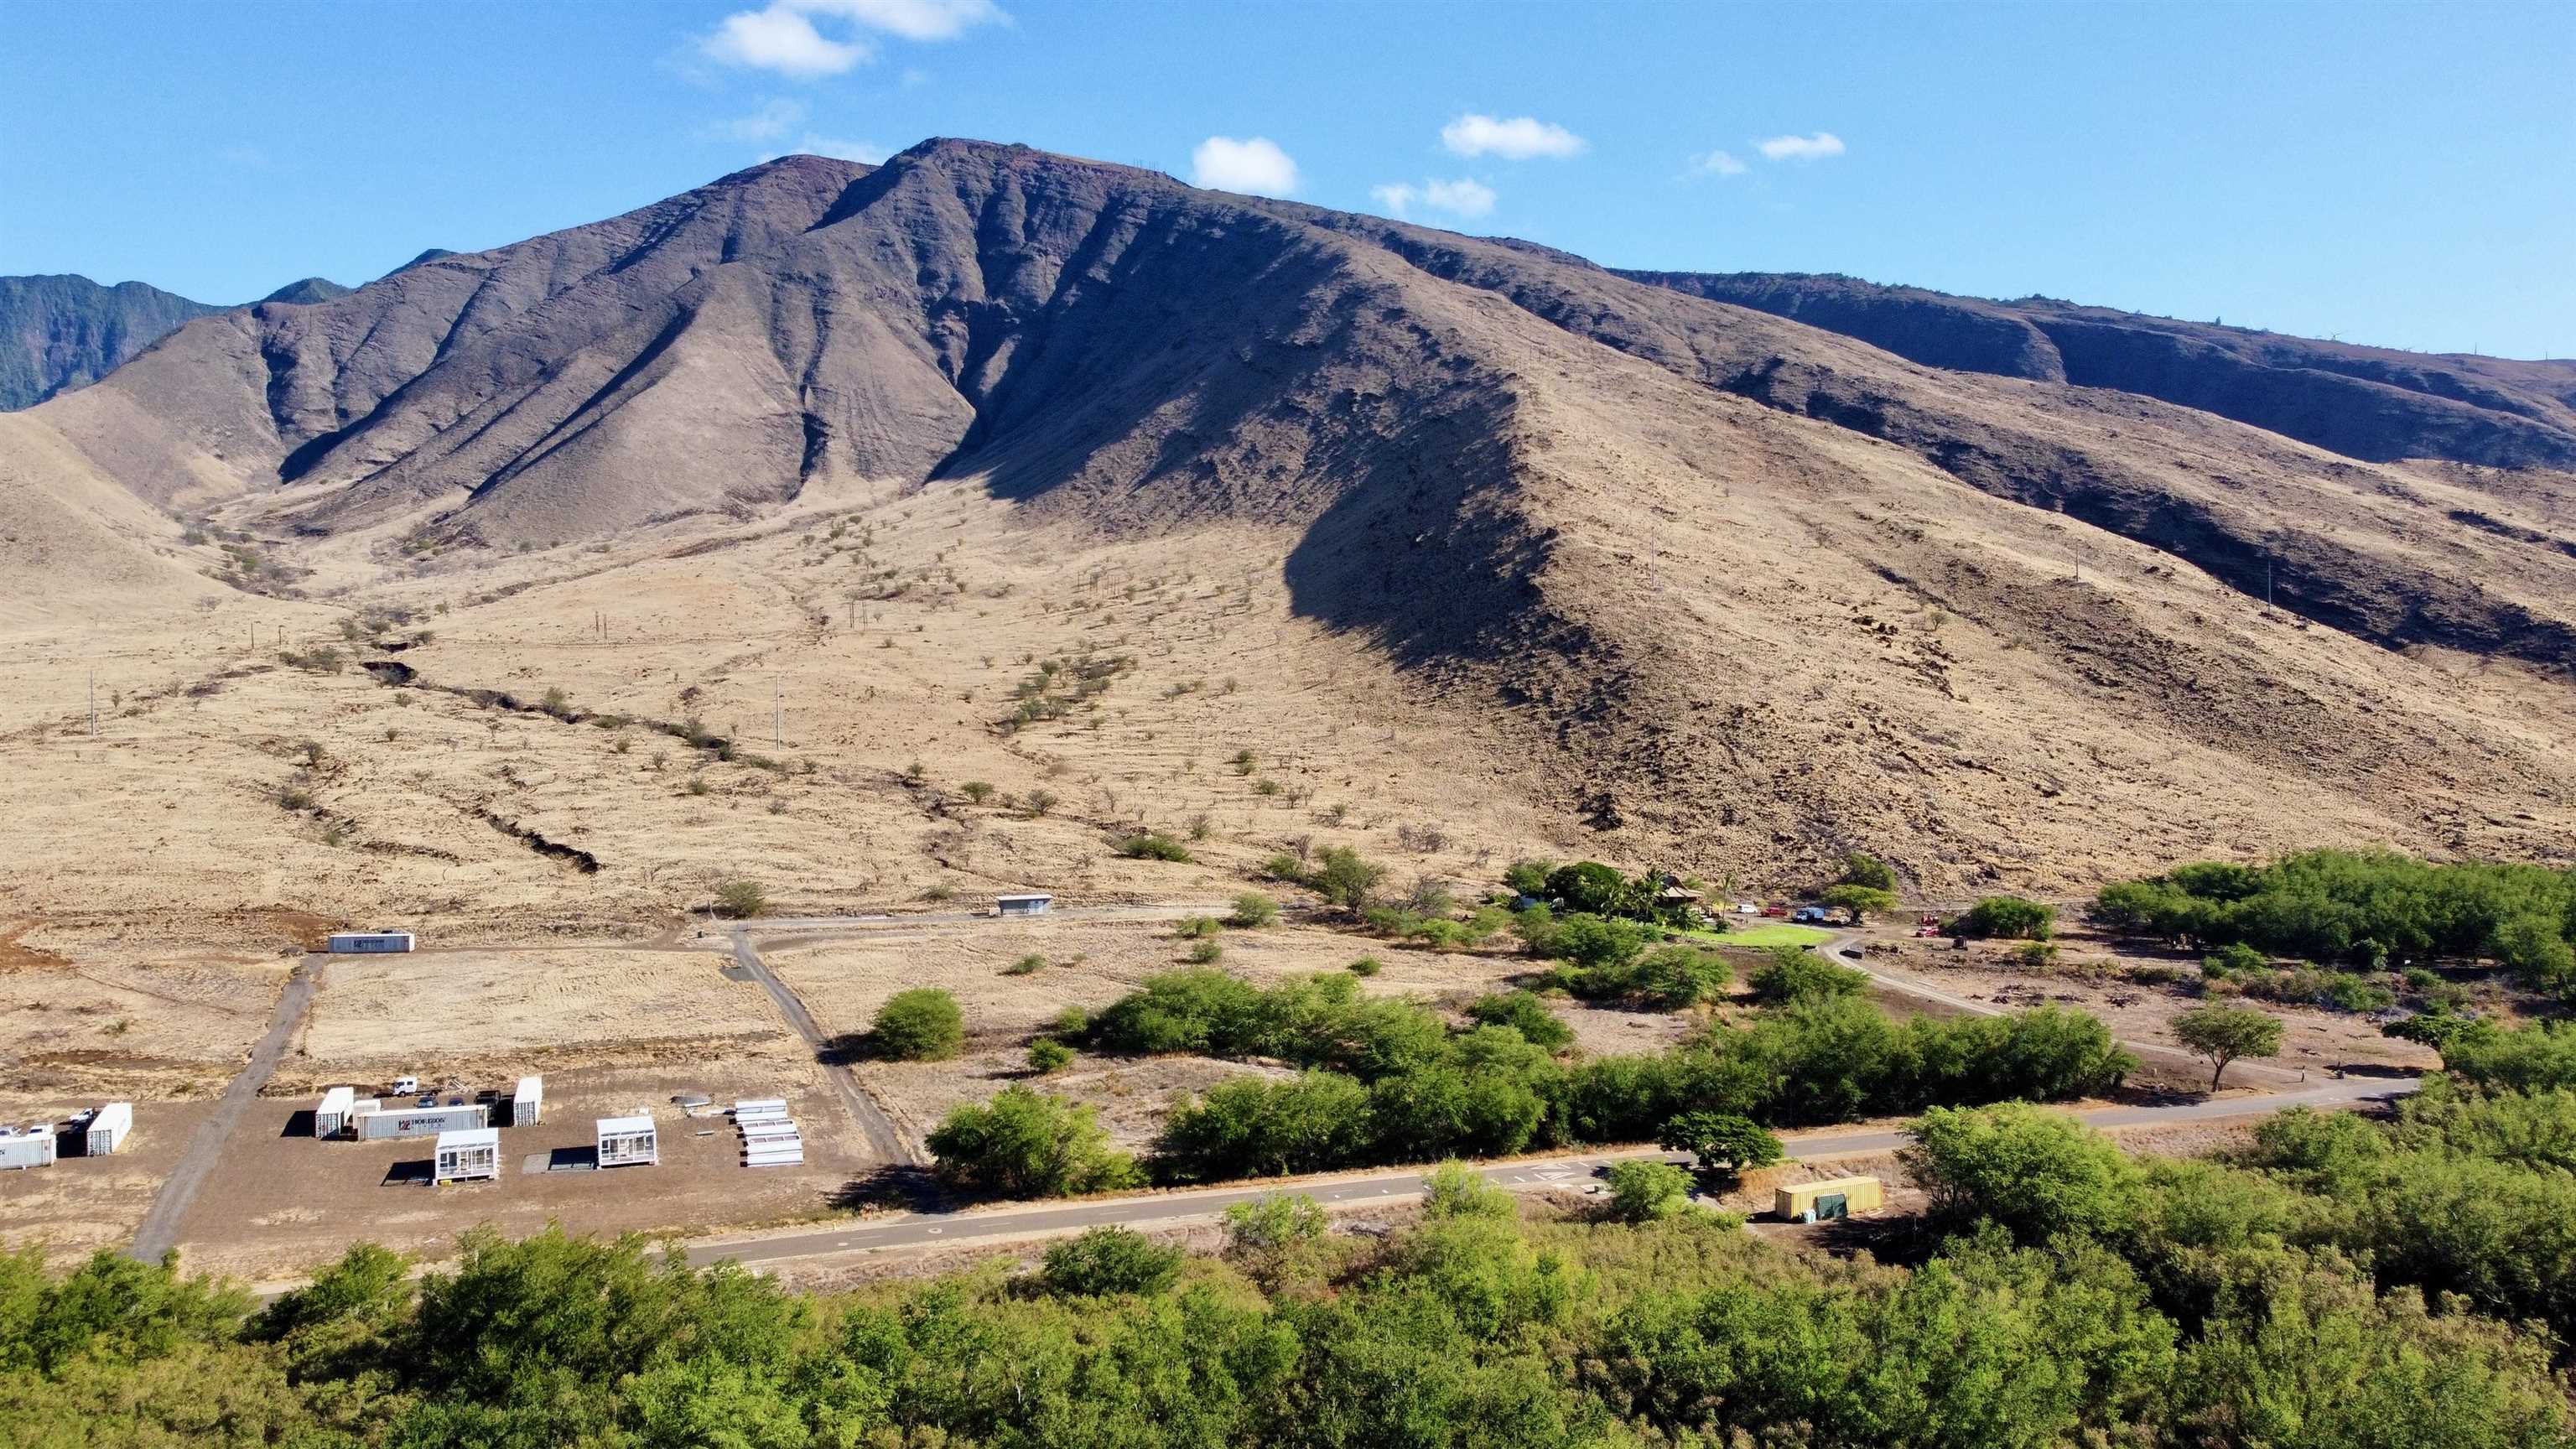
2374	910
1383	1080
2341	1283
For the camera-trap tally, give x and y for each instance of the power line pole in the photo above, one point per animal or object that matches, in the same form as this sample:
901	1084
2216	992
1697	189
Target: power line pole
93	704
777	713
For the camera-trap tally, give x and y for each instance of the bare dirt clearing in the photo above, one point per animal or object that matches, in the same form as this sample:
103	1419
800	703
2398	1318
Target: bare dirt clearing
395	1011
83	1204
282	1202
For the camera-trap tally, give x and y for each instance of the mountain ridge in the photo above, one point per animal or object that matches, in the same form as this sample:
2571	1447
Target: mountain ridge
1712	579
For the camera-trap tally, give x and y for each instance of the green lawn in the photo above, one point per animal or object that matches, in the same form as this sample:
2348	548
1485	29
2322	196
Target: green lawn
1772	933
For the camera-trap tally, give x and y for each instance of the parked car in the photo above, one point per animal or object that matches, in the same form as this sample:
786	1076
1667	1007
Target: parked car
406	1086
1814	914
1775	910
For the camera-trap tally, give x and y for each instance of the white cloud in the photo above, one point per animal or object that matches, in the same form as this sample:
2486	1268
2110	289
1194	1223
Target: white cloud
1517	139
1257	166
1800	148
1461	197
780	38
773	120
1717	163
911	19
866	151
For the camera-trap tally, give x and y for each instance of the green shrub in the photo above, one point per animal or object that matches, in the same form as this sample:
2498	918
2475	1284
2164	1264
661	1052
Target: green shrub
1343	878
1206	953
1524	1012
1106	1261
2008	918
1366	966
1152	845
1253	910
1028	965
742	898
922	1024
1027	1144
1047	1055
1643	1190
1793	974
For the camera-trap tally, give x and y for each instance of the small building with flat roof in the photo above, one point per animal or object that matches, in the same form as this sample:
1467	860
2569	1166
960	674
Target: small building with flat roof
628	1142
466	1156
1033	903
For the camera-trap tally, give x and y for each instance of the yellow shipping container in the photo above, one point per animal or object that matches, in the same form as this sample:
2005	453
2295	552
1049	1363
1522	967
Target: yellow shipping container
1832	1197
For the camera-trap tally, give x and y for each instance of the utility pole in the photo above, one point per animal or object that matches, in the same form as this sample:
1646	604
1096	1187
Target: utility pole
777	713
93	704
2267	581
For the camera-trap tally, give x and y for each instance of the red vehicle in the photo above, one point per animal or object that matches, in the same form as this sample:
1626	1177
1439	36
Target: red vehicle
1925	931
1775	910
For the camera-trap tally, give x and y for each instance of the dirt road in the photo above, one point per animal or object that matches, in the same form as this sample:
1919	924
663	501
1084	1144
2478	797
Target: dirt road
883	1138
159	1230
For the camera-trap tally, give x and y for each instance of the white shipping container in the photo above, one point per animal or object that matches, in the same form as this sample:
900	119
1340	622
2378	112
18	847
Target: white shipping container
528	1103
753	1105
781	1159
380	1125
367	943
331	1116
108	1129
32	1149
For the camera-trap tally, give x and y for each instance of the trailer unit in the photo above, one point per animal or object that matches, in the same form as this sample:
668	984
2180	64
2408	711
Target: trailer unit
528	1103
381	1125
108	1128
628	1142
1828	1198
27	1149
466	1155
367	943
1030	904
331	1116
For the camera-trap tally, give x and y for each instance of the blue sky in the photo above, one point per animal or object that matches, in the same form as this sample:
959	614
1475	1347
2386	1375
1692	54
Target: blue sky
2396	174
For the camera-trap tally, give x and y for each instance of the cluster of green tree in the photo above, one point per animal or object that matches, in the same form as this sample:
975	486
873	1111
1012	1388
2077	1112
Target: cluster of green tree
1587	887
2237	968
1666	978
2370	908
2006	918
1867	887
1385	1080
2465	1200
1338	873
2141	1312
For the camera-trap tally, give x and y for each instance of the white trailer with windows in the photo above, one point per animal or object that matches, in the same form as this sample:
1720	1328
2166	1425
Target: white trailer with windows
467	1155
1033	903
528	1103
34	1147
382	1124
628	1142
367	943
331	1115
108	1128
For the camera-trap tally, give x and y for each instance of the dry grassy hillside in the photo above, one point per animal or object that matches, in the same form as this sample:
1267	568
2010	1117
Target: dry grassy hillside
1476	550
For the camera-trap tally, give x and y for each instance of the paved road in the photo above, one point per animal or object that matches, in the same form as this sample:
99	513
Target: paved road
883	1138
159	1231
1008	1223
